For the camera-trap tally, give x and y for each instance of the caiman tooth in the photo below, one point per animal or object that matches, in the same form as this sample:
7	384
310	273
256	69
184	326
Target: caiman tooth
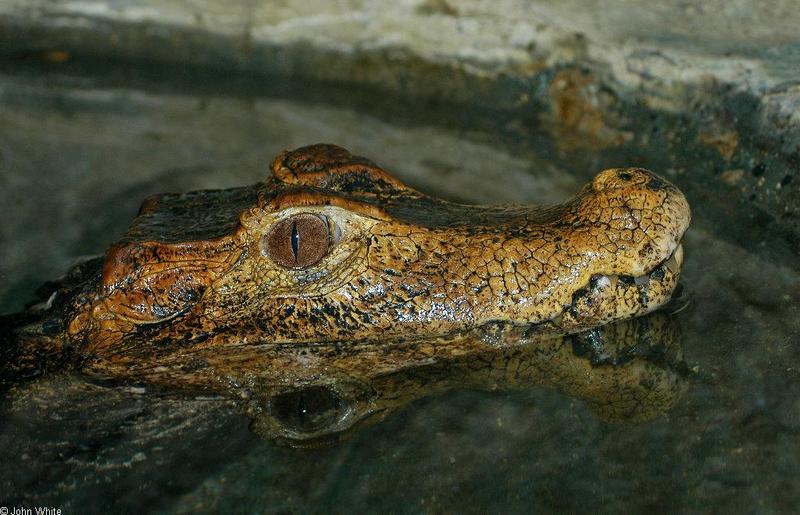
678	255
672	263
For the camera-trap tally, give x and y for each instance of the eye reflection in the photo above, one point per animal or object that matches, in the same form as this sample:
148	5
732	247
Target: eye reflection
299	241
309	409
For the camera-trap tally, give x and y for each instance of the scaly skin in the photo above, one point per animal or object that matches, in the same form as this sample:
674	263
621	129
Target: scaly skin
193	276
405	264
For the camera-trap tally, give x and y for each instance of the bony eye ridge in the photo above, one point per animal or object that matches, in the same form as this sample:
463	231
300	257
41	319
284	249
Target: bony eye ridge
299	241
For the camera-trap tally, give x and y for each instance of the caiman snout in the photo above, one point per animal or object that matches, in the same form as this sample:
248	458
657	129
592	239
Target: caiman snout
611	252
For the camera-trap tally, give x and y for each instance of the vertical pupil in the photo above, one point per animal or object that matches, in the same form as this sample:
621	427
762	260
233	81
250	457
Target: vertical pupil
295	241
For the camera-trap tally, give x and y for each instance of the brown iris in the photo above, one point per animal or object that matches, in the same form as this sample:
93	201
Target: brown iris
299	241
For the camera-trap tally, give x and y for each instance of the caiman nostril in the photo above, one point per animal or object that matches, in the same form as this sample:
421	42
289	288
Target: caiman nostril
656	183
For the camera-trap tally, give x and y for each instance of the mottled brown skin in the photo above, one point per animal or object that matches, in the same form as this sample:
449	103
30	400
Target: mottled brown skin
196	275
406	264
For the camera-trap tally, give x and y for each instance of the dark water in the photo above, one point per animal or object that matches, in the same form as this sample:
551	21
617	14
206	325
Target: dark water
79	151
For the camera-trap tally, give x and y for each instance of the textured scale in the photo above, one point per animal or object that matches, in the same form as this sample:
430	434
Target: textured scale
404	263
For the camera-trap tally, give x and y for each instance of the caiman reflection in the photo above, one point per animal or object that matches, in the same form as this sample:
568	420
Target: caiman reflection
628	372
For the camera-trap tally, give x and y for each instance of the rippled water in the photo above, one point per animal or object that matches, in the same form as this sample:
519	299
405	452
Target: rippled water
79	151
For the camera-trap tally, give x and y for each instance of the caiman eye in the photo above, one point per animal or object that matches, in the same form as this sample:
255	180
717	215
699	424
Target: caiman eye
309	409
299	241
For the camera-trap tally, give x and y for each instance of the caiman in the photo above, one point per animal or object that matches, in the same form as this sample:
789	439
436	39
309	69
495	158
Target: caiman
333	250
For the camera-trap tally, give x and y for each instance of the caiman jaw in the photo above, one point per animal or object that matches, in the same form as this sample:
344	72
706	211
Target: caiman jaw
611	297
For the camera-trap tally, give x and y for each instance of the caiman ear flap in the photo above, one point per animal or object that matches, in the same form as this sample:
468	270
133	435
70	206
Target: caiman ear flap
333	168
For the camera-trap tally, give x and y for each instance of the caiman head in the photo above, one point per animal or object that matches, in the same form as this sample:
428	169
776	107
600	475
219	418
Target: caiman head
333	248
